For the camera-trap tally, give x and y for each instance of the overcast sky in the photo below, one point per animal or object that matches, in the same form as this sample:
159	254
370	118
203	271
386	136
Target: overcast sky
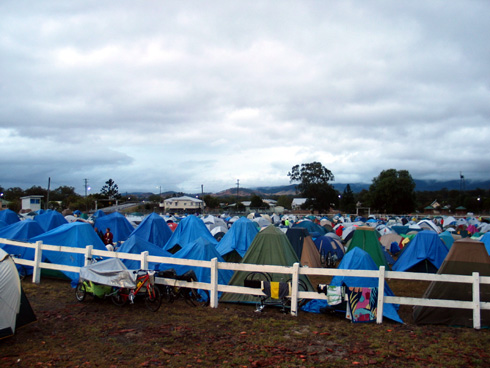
179	94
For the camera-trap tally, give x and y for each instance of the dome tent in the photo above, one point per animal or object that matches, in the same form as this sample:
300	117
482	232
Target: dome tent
235	243
135	245
75	234
270	247
465	257
153	229
15	309
189	229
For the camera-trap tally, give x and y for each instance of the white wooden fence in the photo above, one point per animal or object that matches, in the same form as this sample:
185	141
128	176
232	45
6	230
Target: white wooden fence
295	271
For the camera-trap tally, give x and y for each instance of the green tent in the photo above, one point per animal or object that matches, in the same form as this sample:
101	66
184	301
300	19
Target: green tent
365	237
269	247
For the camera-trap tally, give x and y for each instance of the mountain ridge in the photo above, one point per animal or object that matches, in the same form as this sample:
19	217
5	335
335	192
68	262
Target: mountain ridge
420	186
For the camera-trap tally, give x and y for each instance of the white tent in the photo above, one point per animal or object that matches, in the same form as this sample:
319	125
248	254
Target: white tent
15	310
10	292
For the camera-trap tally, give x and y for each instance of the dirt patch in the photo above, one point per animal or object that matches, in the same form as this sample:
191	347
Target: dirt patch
97	333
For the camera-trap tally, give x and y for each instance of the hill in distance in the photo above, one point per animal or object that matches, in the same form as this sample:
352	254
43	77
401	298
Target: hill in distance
420	186
290	190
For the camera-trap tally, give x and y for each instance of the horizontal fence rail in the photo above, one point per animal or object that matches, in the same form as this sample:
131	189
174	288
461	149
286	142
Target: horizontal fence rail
290	272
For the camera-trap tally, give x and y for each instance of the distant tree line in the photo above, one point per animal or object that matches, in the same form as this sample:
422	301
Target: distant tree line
391	192
63	197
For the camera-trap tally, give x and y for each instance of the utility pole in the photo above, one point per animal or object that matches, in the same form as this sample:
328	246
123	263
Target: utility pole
86	187
47	196
202	201
237	191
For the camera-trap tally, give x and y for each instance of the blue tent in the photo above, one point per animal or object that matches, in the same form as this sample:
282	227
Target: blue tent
75	234
486	240
425	253
136	245
314	229
21	231
189	229
153	229
50	220
357	259
98	214
9	216
237	240
447	238
400	229
203	250
327	244
120	227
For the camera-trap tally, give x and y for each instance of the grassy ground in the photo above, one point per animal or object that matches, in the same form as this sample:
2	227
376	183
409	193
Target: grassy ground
97	333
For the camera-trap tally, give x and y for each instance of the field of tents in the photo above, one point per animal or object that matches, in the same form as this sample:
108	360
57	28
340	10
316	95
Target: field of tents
439	245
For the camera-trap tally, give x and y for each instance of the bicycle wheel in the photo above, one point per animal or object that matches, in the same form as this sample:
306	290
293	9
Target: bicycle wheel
80	292
301	287
194	298
166	292
258	276
153	298
120	297
22	272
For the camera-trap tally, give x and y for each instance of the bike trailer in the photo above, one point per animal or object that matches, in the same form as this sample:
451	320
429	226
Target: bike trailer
111	272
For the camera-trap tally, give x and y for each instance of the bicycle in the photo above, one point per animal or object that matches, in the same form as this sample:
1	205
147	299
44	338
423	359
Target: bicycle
145	286
189	295
281	298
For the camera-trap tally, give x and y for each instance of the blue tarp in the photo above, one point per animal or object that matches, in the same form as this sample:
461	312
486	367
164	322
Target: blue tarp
425	246
21	231
203	250
189	229
153	229
50	220
136	245
9	216
314	229
120	227
238	238
75	234
357	259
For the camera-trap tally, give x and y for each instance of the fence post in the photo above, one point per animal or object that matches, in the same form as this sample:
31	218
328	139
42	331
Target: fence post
213	291
144	260
476	301
294	290
88	254
36	274
381	294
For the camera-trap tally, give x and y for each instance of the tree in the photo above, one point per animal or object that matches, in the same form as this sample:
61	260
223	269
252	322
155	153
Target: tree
155	198
285	201
313	184
256	202
211	201
347	200
110	190
393	192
